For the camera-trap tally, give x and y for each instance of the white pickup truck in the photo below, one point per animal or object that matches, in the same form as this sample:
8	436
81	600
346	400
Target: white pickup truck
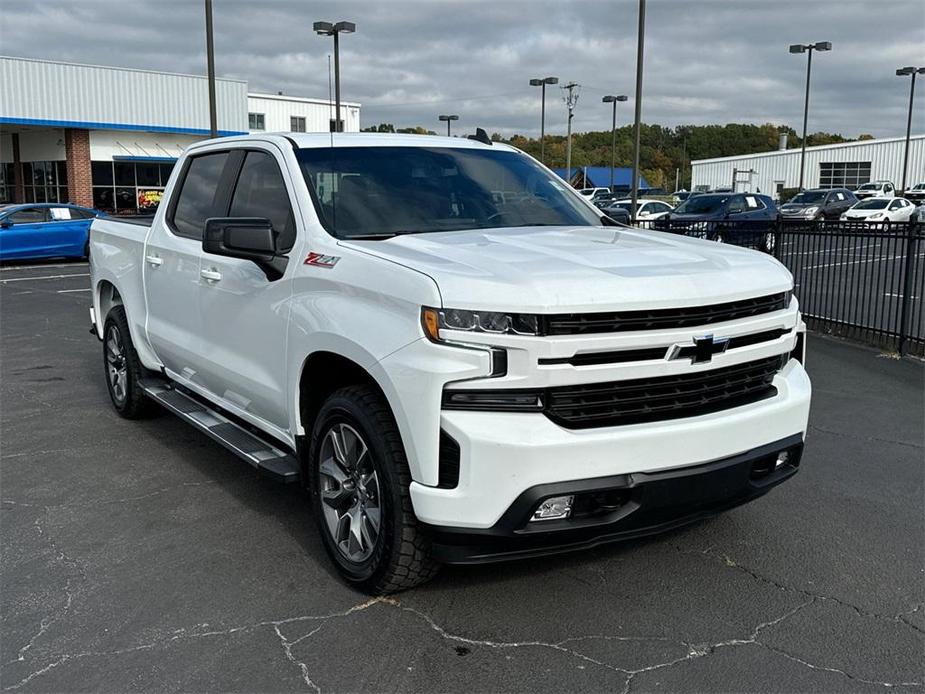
454	353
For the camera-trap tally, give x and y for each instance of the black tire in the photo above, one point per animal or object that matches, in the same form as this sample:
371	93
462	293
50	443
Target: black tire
128	399
399	558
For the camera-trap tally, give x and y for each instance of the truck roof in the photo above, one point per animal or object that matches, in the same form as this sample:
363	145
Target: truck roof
313	140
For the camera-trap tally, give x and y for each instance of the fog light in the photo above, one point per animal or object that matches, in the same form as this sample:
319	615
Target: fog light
783	458
554	508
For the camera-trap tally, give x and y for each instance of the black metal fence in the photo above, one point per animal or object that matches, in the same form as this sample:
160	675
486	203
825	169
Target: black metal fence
860	280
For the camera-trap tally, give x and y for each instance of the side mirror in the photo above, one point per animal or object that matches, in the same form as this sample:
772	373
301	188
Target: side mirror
6	223
247	238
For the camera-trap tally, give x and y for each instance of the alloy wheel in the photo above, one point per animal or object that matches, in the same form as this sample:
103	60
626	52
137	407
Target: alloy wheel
116	365
350	494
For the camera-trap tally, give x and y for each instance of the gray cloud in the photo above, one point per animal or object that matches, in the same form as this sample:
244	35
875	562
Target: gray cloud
707	61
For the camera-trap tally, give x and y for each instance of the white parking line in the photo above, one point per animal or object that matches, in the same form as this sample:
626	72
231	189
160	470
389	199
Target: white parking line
41	267
44	277
857	262
66	291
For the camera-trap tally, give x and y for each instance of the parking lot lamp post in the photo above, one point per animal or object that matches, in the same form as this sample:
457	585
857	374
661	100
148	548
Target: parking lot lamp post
542	83
637	119
808	49
902	72
610	98
448	119
335	30
210	61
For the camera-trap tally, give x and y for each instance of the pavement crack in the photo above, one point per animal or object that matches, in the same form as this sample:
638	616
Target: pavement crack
60	557
287	649
733	564
824	668
879	439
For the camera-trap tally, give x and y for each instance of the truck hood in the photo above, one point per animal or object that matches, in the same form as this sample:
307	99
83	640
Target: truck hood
580	269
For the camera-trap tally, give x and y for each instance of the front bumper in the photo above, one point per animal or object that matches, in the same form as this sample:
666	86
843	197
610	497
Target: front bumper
502	455
621	507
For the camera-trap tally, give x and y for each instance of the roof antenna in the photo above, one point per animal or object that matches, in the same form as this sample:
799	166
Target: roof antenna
481	136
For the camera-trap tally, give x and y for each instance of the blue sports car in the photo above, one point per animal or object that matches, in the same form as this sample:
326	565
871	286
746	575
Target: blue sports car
44	230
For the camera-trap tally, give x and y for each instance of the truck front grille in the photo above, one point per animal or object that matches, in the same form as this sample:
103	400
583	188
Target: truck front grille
664	397
658	319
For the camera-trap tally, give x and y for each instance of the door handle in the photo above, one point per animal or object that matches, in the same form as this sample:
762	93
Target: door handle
211	275
154	260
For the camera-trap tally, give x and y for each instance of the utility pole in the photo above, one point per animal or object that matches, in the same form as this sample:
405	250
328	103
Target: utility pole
570	102
640	40
210	58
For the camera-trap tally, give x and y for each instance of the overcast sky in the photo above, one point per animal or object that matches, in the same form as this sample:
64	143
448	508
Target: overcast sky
707	61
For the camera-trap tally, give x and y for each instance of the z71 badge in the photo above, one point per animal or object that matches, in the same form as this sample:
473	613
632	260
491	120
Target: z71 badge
321	260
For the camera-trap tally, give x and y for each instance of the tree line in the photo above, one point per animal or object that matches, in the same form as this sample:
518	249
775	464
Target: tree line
663	151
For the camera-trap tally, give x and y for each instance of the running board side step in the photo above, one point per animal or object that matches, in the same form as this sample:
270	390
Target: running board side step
266	457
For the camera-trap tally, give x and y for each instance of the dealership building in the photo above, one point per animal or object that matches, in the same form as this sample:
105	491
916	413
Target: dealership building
108	137
849	164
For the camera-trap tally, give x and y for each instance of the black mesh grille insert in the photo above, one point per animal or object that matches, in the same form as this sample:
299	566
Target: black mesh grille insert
693	316
449	462
665	397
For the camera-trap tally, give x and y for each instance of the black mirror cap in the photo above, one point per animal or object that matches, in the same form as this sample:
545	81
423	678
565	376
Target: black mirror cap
248	238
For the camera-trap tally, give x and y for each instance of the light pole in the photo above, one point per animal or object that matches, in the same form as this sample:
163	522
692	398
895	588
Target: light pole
448	120
613	132
329	29
542	83
637	121
808	49
210	59
902	72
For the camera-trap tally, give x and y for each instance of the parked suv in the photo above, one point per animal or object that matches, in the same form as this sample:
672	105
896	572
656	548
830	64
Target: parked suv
745	219
916	193
876	189
819	203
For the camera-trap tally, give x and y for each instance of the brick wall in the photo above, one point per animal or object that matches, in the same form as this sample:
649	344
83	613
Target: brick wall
77	151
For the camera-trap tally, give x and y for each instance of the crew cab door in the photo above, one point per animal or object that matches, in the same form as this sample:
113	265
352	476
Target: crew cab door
245	313
171	265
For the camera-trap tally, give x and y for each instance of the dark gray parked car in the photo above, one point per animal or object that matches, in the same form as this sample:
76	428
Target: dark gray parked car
818	203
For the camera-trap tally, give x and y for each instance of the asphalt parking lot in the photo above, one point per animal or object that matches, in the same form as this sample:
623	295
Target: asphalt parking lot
140	556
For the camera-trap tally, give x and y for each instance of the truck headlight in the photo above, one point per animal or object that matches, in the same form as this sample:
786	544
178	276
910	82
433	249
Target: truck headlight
433	320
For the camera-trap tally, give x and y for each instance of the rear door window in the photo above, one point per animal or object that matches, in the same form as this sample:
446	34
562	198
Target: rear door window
261	192
197	196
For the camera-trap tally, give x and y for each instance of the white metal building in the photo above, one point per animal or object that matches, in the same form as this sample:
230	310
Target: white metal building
829	166
107	137
275	113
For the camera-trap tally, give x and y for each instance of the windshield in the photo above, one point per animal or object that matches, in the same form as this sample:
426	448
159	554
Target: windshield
872	204
702	204
376	191
808	197
869	186
919	186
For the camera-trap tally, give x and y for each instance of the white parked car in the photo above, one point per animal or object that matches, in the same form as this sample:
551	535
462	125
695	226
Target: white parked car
454	376
648	209
876	189
593	193
884	210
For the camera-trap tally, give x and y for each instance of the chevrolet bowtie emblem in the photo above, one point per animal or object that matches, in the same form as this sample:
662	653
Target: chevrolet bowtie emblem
703	350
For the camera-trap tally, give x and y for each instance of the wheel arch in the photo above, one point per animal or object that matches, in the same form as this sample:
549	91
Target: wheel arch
323	372
107	296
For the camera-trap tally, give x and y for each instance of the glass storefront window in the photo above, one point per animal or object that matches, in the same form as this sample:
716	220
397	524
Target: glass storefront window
129	187
43	181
